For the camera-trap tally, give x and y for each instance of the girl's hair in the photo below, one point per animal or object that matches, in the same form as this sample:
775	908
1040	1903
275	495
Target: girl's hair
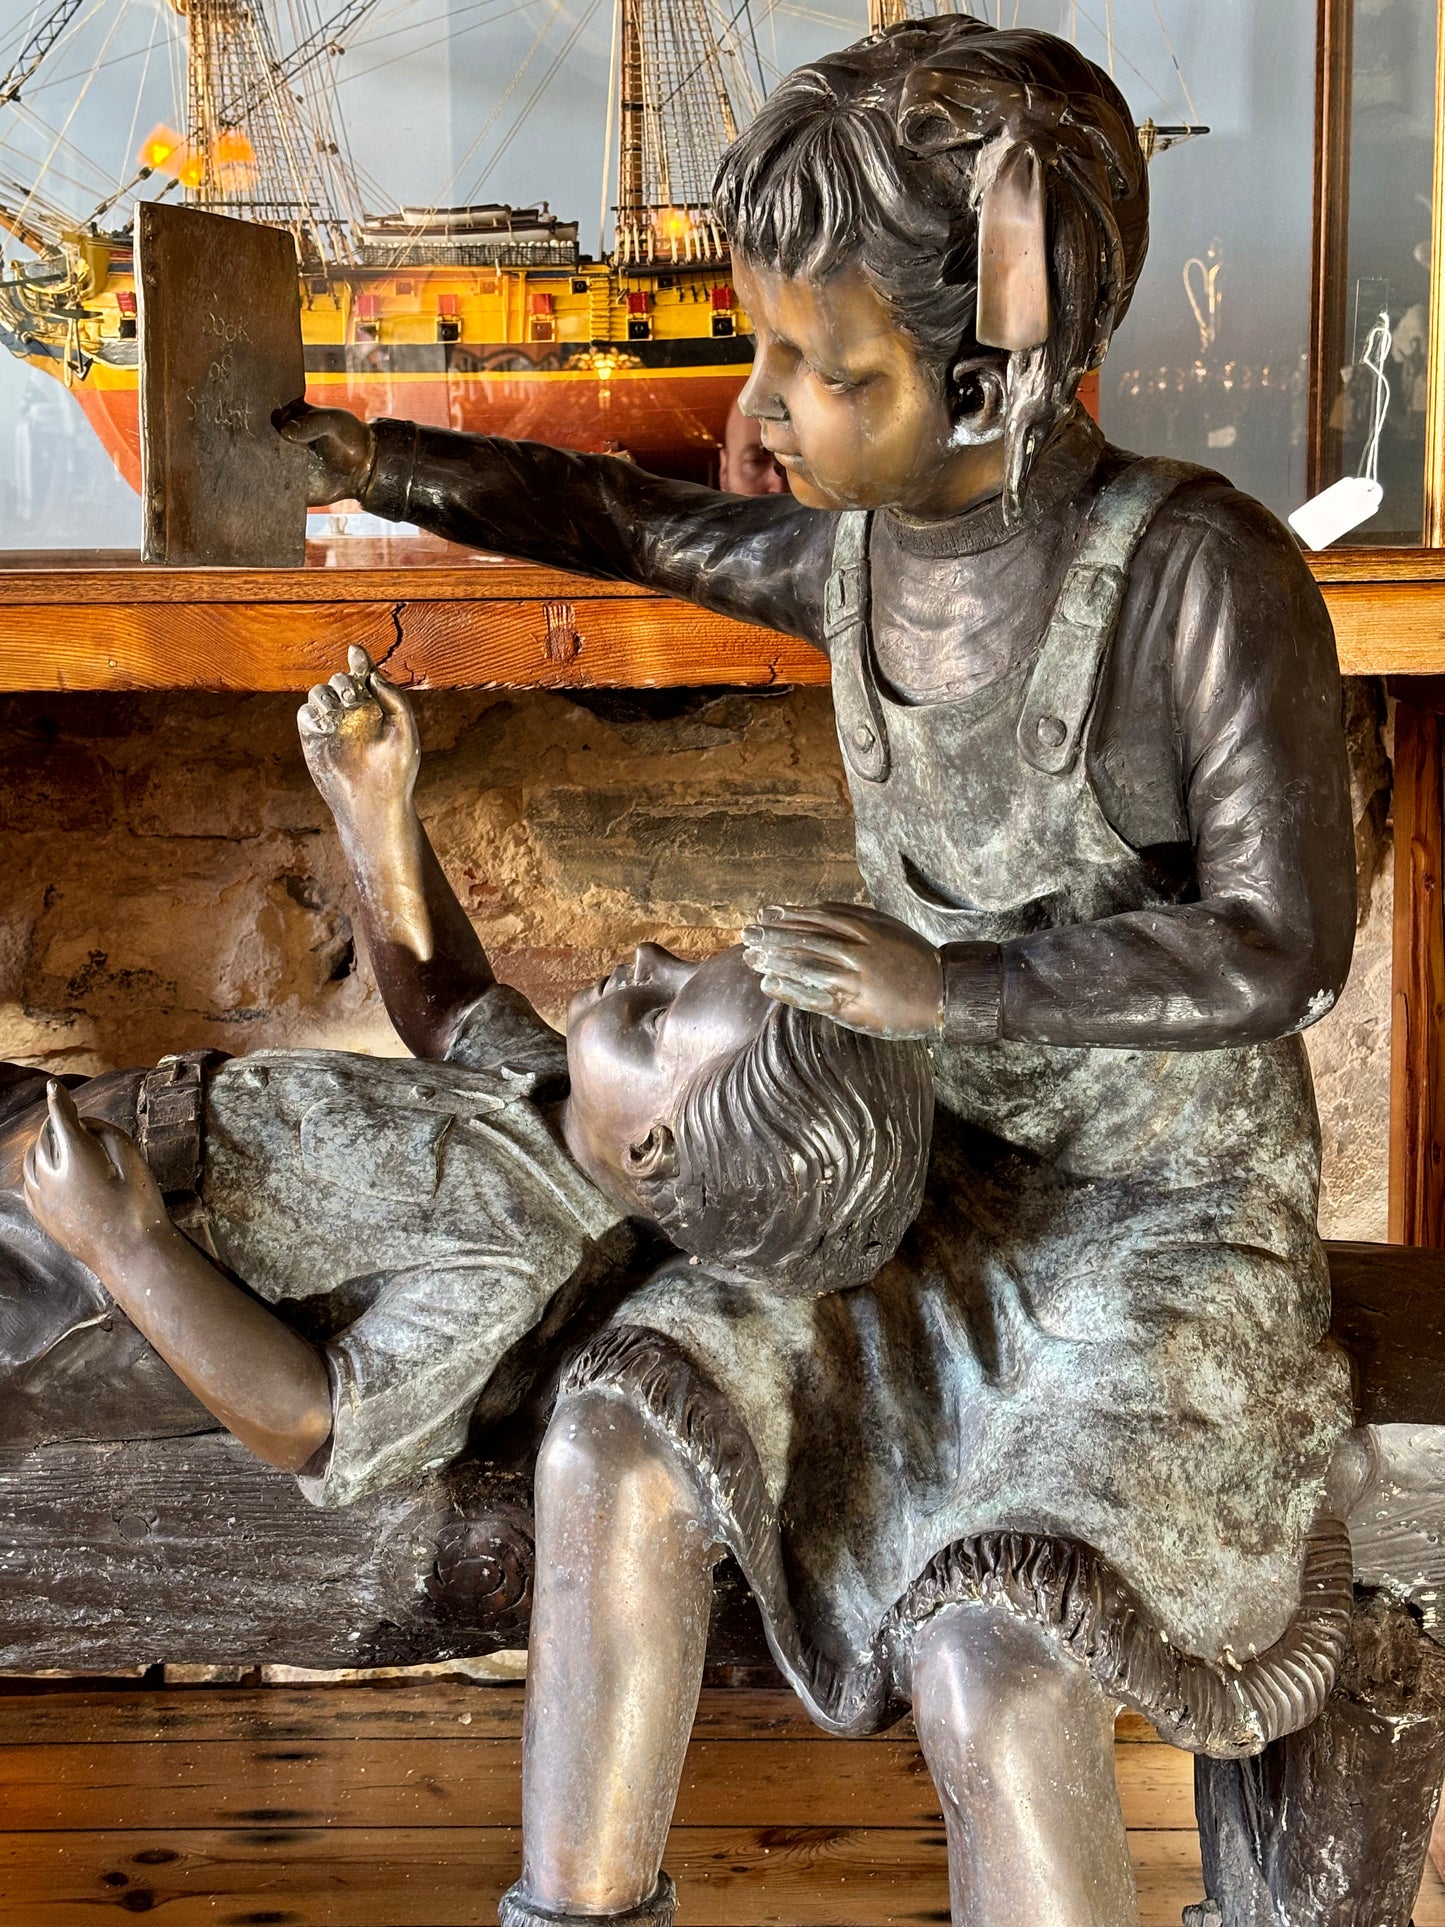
801	1159
878	155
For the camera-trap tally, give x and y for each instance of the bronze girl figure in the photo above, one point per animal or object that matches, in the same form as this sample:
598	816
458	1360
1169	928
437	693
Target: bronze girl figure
1073	1447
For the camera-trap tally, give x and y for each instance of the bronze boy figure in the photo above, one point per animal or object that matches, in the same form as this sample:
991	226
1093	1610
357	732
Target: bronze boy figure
1076	1450
428	1213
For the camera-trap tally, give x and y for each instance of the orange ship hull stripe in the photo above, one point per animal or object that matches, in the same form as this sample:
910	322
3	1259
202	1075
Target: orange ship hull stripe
659	414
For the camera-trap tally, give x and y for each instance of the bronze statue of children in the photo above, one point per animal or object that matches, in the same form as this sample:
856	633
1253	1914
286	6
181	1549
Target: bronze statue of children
1075	1450
427	1214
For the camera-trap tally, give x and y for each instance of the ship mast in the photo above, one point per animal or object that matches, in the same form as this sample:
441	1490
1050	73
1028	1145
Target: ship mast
252	149
676	115
883	14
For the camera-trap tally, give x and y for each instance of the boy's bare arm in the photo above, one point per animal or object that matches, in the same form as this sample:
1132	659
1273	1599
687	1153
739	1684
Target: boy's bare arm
361	746
88	1185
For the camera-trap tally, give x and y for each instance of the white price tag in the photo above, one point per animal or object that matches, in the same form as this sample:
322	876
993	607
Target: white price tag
1336	510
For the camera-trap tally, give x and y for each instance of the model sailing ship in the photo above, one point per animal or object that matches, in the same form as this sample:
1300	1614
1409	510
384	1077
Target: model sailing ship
487	318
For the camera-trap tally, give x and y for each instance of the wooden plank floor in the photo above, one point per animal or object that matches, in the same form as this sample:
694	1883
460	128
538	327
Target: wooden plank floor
397	1806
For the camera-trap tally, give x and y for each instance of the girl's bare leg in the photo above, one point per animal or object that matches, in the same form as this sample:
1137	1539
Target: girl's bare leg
619	1628
1019	1739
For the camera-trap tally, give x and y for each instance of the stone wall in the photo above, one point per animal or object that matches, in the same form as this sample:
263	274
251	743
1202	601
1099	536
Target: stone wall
171	879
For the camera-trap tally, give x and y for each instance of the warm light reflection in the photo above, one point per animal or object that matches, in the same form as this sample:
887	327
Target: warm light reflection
233	159
158	147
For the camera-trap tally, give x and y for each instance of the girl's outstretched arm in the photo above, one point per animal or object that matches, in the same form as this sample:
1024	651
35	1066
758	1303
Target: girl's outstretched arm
762	559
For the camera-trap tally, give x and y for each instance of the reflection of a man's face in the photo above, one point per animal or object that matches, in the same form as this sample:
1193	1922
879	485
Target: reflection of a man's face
746	467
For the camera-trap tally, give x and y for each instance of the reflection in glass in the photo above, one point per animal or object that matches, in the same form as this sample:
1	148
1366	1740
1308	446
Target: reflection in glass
1391	163
1211	365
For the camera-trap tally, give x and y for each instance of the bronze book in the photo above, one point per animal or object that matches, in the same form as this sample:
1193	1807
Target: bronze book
220	334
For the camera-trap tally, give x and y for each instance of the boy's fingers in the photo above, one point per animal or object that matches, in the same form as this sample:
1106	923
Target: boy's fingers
349	693
61	1105
392	701
322	698
62	1127
116	1146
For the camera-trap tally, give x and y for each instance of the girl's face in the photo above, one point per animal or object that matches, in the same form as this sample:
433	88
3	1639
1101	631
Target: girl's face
847	406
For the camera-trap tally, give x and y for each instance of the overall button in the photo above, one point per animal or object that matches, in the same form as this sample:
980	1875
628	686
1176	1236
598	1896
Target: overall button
863	737
1052	731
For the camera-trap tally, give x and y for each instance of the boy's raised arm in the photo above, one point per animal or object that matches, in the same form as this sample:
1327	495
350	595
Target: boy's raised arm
762	559
362	749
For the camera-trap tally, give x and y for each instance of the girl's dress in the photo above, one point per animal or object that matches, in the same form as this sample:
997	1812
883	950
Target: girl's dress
1094	1386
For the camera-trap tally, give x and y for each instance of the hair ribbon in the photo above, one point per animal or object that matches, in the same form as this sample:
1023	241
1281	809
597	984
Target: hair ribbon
1021	130
1015	127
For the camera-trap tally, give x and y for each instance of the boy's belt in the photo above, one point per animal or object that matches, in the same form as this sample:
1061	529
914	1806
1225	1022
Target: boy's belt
170	1116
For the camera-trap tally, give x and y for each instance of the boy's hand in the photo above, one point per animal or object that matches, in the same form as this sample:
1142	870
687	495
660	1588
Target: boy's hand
89	1186
340	449
865	970
360	741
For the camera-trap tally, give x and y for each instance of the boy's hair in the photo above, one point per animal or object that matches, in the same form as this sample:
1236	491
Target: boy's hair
801	1159
878	155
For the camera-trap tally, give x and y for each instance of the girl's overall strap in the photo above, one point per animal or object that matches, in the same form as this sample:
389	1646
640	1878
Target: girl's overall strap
1062	688
862	727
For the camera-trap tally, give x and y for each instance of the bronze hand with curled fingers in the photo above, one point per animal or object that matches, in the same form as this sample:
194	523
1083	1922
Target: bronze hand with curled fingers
340	450
859	966
88	1184
359	736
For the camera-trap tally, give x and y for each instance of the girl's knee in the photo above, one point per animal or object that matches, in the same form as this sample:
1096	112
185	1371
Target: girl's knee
986	1685
597	1445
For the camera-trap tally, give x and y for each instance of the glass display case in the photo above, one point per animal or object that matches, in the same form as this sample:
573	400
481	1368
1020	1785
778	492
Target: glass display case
1282	235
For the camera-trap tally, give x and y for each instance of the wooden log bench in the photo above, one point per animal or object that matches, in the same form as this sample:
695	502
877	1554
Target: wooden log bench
146	1551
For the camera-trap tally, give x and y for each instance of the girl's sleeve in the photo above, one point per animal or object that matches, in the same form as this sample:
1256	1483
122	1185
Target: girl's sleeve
1265	948
759	558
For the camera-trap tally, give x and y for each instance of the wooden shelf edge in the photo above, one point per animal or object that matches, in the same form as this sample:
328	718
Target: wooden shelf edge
507	625
82	577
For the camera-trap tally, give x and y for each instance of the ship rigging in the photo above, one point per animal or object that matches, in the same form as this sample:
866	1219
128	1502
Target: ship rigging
481	316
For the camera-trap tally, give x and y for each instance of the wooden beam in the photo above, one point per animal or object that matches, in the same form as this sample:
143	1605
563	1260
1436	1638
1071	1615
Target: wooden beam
1334	88
1417	1036
102	624
1434	530
473	626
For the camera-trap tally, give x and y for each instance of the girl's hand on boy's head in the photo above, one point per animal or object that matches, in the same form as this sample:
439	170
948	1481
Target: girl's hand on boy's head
340	450
89	1186
359	737
865	970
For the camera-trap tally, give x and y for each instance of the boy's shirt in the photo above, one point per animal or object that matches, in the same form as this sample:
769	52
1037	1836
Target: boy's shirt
425	1214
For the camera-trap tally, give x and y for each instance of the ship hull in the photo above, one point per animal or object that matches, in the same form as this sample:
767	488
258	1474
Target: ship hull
668	414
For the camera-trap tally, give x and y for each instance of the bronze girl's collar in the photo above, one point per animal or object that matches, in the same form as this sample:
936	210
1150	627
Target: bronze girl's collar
1067	462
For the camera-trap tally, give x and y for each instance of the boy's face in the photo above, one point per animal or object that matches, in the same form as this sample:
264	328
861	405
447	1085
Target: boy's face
847	406
637	1038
